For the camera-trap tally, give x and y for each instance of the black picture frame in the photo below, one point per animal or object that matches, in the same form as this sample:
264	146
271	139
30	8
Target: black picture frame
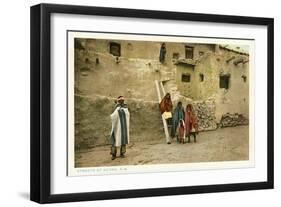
41	99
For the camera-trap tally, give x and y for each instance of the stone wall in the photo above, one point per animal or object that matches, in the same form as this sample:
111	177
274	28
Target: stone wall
232	120
206	111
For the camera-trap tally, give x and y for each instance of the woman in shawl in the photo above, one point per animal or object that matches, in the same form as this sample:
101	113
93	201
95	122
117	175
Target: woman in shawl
177	116
166	107
166	104
191	123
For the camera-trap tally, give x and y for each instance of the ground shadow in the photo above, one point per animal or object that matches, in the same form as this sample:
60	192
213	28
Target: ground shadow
24	195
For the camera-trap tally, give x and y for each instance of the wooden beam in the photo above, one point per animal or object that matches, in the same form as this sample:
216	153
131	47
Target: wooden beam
228	60
162	88
158	91
245	61
238	60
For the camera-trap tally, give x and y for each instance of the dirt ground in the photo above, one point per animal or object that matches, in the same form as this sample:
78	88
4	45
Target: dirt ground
226	144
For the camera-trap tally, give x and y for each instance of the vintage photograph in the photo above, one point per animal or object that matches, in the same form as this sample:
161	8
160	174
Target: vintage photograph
148	100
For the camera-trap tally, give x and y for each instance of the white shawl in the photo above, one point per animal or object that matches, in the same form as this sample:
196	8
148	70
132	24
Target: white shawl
116	125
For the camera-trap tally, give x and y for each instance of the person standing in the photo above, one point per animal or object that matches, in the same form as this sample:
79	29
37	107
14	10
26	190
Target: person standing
166	104
191	123
162	53
166	107
177	116
181	130
120	119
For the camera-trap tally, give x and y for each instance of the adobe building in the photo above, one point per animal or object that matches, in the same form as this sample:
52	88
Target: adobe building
218	72
214	78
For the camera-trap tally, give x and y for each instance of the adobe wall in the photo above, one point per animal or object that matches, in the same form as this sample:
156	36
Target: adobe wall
211	65
93	123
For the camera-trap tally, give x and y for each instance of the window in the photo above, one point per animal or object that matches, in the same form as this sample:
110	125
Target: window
244	78
115	49
130	46
97	60
188	52
185	77
201	77
176	55
224	81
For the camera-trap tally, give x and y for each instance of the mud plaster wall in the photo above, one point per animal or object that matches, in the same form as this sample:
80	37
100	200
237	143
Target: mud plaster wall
131	78
142	49
93	124
186	88
236	98
211	65
133	75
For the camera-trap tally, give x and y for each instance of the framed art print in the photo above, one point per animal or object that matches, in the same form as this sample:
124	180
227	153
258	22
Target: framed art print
133	103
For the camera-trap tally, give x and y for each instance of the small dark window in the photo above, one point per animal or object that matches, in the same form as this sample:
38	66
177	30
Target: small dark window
224	81
201	53
244	78
130	46
188	52
185	77
201	77
115	49
176	55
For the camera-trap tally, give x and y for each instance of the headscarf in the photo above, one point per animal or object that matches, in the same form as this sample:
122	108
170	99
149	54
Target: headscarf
166	104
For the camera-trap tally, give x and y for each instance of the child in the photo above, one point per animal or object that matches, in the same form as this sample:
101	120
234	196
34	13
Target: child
181	131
